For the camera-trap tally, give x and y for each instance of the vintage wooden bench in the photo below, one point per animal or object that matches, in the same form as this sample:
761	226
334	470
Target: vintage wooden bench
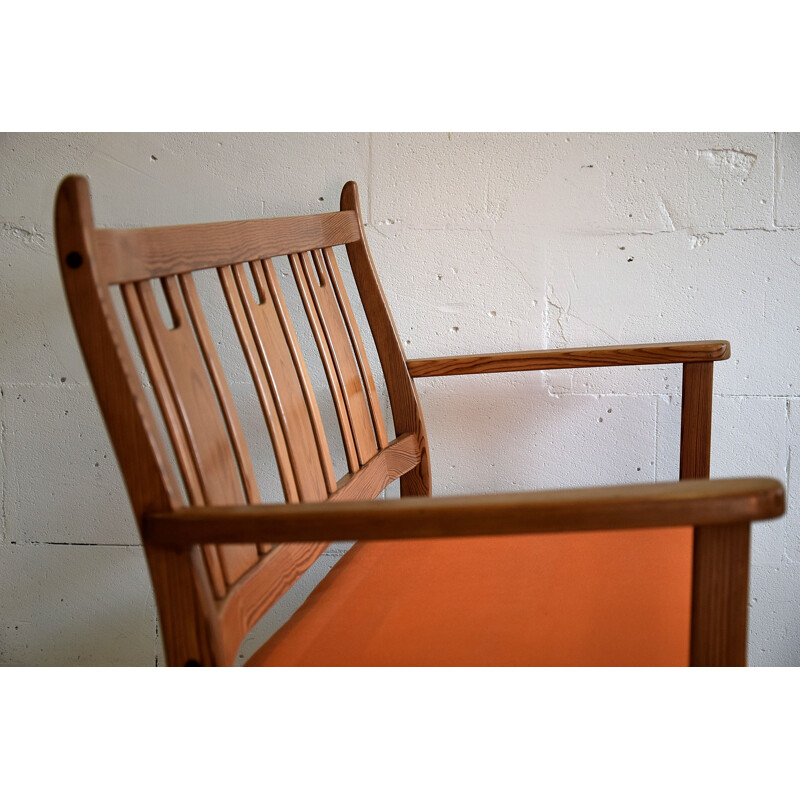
630	575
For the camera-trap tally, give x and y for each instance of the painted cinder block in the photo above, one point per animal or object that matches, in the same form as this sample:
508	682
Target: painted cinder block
75	605
175	179
65	485
557	183
787	180
737	286
530	227
495	434
774	617
452	293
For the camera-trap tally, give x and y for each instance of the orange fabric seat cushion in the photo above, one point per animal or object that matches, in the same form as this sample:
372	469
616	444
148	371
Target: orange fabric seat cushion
615	598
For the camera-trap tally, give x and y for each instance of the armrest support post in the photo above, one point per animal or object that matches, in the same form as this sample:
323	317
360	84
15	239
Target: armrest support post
698	379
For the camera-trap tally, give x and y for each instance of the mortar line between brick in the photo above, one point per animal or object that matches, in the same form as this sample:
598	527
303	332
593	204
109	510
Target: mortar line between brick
562	393
721	395
73	544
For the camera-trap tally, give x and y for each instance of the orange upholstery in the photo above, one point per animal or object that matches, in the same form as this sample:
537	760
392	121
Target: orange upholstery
618	598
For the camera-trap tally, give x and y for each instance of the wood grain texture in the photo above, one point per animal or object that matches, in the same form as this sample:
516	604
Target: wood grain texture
406	411
224	396
261	382
358	345
636	506
132	296
258	590
328	357
142	253
346	371
132	427
206	601
720	595
696	401
274	575
571	358
387	465
284	369
201	434
189	626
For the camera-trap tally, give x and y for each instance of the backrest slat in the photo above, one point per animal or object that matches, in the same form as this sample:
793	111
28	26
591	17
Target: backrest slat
284	368
131	294
347	371
358	346
221	387
260	381
328	360
141	330
223	391
201	439
209	596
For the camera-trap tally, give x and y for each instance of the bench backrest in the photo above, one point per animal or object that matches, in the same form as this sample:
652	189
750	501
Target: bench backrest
210	596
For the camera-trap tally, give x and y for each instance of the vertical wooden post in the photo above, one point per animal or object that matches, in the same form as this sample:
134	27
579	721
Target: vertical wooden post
719	595
698	379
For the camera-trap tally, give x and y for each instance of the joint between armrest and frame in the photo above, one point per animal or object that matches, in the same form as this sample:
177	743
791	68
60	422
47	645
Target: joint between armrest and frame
571	358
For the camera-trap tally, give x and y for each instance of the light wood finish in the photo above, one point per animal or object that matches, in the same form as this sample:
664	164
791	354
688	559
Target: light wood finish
637	506
385	467
274	576
406	410
358	345
195	424
139	254
571	358
224	559
260	381
698	382
344	377
282	364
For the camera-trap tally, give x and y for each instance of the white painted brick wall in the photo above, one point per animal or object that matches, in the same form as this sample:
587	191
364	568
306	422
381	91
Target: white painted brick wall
483	242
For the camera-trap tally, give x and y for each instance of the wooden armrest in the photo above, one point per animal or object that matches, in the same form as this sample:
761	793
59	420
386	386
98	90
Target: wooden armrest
700	502
612	356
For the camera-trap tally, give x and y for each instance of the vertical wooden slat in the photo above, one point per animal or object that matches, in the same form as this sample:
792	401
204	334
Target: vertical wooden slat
698	380
266	281
201	436
720	572
358	346
261	382
141	331
221	387
344	359
328	360
223	391
291	401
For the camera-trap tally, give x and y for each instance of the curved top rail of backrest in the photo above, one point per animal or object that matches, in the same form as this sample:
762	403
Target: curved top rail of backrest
227	588
143	253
